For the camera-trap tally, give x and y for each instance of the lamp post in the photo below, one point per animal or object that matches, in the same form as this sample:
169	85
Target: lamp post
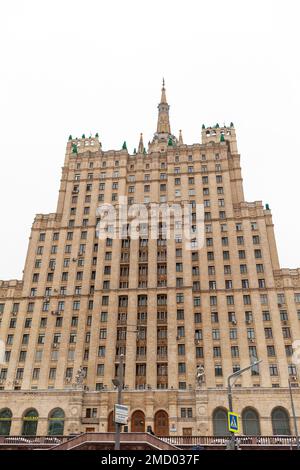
119	383
235	375
294	416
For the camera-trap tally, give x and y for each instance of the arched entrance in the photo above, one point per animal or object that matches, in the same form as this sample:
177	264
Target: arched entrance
220	425
110	422
161	423
138	421
250	421
30	422
5	422
280	422
56	422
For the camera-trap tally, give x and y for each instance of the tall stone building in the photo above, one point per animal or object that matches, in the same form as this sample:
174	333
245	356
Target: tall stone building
168	308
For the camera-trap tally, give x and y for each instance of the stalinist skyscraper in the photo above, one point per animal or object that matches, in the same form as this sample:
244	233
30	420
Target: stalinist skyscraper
169	308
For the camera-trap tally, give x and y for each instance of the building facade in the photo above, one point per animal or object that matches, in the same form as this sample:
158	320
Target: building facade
169	307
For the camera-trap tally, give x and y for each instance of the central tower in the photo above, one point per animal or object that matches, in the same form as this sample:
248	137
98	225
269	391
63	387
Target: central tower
163	137
163	121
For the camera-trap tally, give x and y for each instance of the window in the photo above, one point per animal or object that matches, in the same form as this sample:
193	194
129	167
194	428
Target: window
217	351
220	426
234	351
180	332
268	333
257	254
186	412
30	422
283	315
266	315
264	299
273	370
233	333
218	370
103	317
56	422
180	314
250	333
5	422
103	333
292	370
199	352
197	317
250	420
100	369
214	317
271	351
286	332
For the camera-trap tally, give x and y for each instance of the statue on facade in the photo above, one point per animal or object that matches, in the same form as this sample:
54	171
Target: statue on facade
79	377
200	375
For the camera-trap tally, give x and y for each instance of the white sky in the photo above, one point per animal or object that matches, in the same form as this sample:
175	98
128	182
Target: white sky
73	67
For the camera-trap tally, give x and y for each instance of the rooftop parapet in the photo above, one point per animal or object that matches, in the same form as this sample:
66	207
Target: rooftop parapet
78	146
42	221
217	134
10	289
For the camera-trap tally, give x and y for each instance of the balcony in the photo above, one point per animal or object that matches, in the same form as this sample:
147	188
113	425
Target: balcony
90	420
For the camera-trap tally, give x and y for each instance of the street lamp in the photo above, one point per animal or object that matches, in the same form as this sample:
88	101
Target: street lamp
235	375
118	382
294	416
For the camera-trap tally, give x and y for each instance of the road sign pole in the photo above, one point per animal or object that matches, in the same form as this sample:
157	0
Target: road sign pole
232	440
236	374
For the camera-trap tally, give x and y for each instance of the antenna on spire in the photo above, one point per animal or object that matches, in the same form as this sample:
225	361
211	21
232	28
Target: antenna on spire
163	84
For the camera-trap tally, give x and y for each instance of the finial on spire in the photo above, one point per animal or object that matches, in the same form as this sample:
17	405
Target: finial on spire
163	93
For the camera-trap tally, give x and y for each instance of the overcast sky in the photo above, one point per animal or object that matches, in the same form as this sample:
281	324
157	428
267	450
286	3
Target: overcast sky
70	67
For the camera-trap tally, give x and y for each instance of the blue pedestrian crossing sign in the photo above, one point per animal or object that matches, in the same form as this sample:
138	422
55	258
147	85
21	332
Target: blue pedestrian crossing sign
233	422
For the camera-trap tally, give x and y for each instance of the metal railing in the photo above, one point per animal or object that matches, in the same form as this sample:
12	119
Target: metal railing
222	441
178	441
34	440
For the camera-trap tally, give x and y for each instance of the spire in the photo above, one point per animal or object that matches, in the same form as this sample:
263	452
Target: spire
163	93
141	144
163	123
180	140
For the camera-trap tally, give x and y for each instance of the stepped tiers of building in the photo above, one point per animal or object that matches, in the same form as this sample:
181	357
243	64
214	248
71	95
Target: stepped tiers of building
170	309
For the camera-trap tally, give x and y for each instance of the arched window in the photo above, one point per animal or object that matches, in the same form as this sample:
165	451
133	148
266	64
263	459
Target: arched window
250	421
220	424
30	422
5	422
56	422
280	421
